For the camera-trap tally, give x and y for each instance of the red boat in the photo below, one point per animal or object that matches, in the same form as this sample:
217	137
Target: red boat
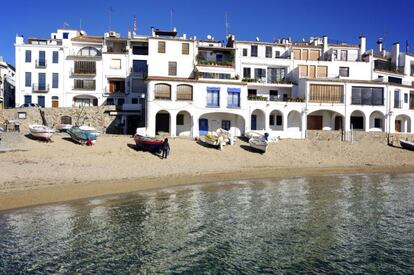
148	143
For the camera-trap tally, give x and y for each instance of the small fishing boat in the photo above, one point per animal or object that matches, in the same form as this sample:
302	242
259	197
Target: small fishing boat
63	127
90	129
259	142
407	144
148	143
81	136
213	139
41	131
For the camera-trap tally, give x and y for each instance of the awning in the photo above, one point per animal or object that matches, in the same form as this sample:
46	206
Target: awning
233	90
213	88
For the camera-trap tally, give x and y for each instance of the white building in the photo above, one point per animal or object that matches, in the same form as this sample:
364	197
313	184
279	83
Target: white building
7	85
186	87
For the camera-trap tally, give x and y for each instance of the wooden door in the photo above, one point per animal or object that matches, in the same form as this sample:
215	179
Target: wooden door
55	104
314	122
398	125
312	71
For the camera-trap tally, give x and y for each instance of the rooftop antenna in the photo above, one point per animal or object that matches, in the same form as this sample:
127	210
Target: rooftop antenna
226	23
171	18
110	18
407	47
135	25
80	24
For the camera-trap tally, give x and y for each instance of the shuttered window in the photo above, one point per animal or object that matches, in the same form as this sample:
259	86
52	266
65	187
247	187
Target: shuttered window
296	54
185	48
162	91
84	84
253	51
322	71
314	55
305	54
172	68
326	93
184	92
161	46
303	70
85	67
268	51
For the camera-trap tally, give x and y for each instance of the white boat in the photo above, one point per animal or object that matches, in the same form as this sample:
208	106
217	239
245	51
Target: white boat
259	144
41	131
63	127
90	129
252	134
213	139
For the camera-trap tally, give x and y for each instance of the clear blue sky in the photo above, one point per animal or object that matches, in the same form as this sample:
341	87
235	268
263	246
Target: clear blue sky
340	20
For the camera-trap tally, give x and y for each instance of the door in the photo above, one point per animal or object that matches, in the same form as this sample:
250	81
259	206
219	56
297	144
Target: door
398	125
203	126
312	70
42	81
314	122
41	101
338	123
27	99
162	123
55	103
254	122
42	59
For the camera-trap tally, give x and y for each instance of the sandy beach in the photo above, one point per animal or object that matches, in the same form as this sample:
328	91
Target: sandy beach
40	172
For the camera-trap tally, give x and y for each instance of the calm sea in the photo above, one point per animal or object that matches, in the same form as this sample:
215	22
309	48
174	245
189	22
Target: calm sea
327	224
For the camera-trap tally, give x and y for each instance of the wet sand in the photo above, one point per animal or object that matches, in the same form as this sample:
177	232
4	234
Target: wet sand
63	170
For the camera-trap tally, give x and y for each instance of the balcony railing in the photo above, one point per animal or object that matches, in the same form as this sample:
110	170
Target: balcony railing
40	63
274	98
388	67
216	63
266	81
83	73
40	88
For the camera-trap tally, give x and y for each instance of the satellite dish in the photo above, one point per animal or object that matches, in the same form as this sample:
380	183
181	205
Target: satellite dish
209	37
257	39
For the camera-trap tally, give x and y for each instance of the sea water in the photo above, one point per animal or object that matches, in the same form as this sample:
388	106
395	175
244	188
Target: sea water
327	224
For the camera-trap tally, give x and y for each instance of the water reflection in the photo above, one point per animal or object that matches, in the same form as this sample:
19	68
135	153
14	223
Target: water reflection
344	223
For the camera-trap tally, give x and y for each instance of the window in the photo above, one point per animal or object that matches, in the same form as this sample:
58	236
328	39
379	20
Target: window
140	49
247	73
55	80
412	69
161	46
28	79
405	98
253	51
219	58
84	84
377	123
42	81
42	59
28	57
172	68
110	101
397	103
394	80
259	73
41	101
226	124
244	52
344	71
344	55
180	119
277	54
85	67
367	96
89	51
120	101
215	75
55	57
213	97
185	48
251	92
278	120
115	64
233	97
272	120
273	95
65	35
184	92
268	51
275	75
134	100
27	99
162	91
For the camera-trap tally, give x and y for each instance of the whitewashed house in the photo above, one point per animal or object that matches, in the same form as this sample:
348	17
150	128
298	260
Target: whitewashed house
7	85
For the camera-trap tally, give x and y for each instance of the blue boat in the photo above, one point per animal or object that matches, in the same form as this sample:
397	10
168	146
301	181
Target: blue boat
82	136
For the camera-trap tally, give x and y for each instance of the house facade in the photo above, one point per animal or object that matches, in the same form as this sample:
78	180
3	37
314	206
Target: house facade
186	86
7	85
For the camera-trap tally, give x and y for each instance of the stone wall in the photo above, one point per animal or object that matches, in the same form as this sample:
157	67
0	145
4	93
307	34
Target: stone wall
359	136
96	116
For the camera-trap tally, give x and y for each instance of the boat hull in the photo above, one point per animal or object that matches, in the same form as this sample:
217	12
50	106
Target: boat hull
81	136
41	132
147	143
407	145
258	144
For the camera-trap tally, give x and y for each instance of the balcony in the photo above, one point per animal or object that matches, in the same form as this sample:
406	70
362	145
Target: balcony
275	98
222	57
40	88
386	66
40	63
263	80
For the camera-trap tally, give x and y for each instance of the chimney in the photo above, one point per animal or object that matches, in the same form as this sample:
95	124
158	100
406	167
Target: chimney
325	44
19	40
395	53
152	32
362	46
379	43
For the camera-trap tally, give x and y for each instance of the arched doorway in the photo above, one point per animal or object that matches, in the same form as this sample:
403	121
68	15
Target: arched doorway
402	124
294	121
184	123
324	120
258	120
276	120
377	121
162	122
357	121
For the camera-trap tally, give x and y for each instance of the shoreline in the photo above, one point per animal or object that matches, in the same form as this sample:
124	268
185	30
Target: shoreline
65	191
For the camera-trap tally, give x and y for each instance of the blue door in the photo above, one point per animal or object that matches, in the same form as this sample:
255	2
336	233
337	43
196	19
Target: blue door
203	126
27	99
42	81
253	122
42	59
41	101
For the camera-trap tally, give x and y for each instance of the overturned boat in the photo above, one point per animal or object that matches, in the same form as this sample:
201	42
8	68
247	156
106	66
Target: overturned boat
81	136
41	131
259	142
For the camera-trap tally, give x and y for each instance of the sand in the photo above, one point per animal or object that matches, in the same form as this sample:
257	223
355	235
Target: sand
62	170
